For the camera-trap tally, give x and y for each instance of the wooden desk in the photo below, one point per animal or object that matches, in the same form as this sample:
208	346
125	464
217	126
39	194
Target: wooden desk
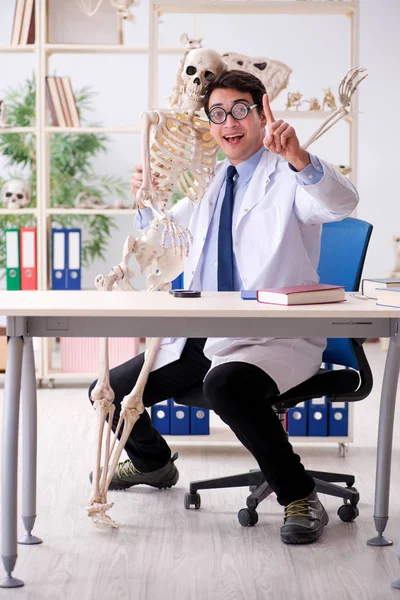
143	314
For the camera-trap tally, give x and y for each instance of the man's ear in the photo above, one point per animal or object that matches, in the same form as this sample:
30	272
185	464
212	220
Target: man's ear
263	119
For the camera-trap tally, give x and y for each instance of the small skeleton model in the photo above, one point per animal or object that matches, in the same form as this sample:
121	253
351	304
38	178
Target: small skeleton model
293	100
176	96
15	194
314	104
123	7
328	100
273	73
83	200
174	144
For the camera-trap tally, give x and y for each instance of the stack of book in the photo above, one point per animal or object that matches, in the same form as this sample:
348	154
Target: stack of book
20	250
24	23
61	102
378	289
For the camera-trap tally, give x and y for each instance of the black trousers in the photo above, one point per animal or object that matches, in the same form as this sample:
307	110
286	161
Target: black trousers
238	392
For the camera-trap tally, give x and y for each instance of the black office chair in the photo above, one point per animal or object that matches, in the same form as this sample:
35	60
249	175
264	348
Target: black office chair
343	249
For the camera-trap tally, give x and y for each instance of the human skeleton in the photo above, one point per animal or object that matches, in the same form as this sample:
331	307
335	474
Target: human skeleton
177	150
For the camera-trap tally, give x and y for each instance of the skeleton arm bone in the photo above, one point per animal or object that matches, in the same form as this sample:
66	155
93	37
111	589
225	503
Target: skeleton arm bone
326	125
146	193
119	272
347	87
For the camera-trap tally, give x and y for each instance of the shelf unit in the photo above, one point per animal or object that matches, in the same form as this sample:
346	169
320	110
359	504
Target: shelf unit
43	50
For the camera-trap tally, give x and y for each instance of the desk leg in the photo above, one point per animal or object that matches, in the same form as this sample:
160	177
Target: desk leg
385	440
9	477
29	443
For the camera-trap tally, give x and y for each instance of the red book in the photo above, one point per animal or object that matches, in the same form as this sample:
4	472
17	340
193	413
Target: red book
27	236
315	293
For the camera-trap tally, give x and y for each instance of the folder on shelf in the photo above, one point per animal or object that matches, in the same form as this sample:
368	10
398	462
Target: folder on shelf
13	275
199	421
160	417
297	419
338	419
318	417
73	253
27	35
180	418
58	259
28	258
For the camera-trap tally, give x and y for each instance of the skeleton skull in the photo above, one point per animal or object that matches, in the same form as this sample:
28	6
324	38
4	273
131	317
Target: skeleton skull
15	194
199	67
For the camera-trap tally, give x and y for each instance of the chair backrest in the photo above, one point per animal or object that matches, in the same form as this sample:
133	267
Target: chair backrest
343	250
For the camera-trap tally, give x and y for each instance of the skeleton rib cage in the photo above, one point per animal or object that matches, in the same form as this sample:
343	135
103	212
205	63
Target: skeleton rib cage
183	155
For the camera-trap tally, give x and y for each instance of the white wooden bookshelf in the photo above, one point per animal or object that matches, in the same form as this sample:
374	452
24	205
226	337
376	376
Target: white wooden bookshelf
42	50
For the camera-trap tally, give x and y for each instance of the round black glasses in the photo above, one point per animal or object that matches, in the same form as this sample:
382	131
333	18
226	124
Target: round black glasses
239	111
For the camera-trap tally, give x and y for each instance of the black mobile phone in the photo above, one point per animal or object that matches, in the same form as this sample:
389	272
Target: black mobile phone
185	293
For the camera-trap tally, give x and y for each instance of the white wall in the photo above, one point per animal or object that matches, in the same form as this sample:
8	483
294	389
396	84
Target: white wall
316	48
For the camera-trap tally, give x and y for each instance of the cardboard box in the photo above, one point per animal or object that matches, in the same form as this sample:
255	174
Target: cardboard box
3	349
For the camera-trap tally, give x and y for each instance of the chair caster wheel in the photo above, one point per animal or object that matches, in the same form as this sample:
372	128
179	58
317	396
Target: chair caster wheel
348	513
247	518
192	500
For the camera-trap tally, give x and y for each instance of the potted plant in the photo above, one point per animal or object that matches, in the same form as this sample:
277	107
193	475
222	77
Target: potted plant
71	171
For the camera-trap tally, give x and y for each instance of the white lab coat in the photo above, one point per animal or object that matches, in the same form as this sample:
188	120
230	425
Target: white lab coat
276	243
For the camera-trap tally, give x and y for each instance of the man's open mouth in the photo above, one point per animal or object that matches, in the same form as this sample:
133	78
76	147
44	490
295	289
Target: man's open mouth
233	138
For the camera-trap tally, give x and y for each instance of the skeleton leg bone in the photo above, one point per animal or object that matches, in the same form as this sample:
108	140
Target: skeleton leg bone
131	408
103	398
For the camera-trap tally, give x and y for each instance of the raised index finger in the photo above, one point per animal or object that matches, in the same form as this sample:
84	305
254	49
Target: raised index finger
267	110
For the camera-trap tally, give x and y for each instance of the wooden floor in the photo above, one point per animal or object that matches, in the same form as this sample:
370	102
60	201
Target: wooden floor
162	551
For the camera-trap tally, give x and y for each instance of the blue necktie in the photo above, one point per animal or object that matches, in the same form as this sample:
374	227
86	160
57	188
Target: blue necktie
225	249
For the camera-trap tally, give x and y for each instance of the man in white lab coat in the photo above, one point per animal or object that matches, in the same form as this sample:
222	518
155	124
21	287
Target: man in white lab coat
257	226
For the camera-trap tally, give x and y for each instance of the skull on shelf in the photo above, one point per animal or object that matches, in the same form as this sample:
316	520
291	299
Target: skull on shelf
15	194
200	66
